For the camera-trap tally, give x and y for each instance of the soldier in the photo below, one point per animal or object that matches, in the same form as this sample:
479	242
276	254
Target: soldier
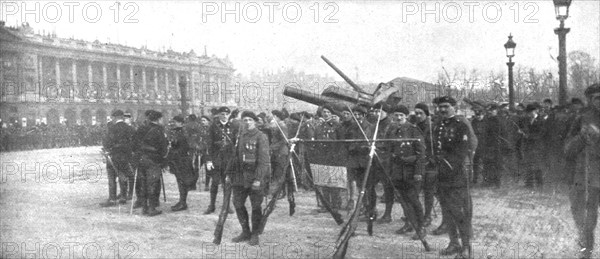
359	153
180	160
203	147
493	143
532	131
118	144
451	148
345	125
583	146
221	140
406	170
430	178
381	111
329	129
151	145
192	131
279	148
249	180
479	125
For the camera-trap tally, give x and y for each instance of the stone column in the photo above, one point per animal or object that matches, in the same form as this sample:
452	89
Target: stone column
57	68
131	79
41	87
91	86
177	89
104	80
144	79
167	81
192	89
119	82
156	80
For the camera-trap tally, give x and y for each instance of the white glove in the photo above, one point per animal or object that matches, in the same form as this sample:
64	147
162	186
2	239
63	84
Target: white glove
209	166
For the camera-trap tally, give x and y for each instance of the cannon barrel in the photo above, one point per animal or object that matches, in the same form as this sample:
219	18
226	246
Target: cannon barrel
316	99
338	93
346	78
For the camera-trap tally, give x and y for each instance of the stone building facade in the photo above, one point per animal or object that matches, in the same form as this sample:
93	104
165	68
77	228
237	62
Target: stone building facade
46	79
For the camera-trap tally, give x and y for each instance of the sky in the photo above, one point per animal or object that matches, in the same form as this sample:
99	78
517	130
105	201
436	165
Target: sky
374	40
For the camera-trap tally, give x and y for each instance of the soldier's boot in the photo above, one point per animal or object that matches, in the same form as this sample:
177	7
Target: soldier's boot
108	203
584	253
144	204
182	204
153	200
130	188
452	248
242	215
442	229
138	203
465	253
421	233
404	229
256	231
211	207
387	214
428	200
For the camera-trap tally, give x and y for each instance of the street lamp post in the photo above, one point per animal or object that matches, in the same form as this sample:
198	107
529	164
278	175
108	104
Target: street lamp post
561	8
510	53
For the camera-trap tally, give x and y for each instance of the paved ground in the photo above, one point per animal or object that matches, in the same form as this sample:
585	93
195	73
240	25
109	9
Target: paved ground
49	209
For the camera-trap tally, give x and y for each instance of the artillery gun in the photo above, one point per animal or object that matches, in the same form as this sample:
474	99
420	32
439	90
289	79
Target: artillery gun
339	98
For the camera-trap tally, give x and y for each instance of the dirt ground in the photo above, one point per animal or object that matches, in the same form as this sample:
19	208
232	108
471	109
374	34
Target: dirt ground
49	209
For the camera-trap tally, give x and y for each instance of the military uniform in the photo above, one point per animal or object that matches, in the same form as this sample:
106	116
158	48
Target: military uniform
451	148
329	129
253	164
493	146
118	144
532	146
279	152
221	141
578	149
480	127
407	160
151	145
430	175
180	160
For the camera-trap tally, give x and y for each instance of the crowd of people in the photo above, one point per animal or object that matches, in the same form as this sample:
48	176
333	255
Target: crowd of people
427	148
14	137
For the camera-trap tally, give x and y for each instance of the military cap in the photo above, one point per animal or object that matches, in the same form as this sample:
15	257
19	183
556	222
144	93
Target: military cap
532	107
446	99
296	116
592	89
250	115
401	108
423	107
307	115
262	115
178	118
214	111
223	109
206	117
154	115
117	113
383	106
360	108
278	114
328	107
127	115
192	117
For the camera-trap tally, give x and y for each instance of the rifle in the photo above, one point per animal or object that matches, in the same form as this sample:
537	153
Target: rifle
341	244
226	196
290	194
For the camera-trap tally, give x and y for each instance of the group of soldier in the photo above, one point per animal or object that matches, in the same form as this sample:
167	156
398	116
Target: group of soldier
434	151
13	137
